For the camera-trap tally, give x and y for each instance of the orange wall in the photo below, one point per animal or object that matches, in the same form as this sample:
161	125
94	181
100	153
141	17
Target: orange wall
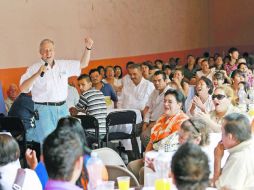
12	75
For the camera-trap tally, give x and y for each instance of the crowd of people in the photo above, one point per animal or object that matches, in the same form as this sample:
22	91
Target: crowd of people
212	120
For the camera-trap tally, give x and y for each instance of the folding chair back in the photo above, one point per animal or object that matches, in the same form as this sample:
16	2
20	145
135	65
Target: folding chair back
118	171
109	157
90	122
15	126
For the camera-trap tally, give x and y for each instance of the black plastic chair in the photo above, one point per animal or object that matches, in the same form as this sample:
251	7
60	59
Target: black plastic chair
90	122
119	118
15	126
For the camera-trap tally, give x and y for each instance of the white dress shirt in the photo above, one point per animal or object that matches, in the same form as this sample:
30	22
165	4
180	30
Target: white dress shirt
136	96
155	104
238	172
52	87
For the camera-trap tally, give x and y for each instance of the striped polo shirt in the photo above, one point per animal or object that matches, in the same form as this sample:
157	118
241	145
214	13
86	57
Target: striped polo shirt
93	101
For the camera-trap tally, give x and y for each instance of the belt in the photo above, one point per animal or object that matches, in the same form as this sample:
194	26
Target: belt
51	103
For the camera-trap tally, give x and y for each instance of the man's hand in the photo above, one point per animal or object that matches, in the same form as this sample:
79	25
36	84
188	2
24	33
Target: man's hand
88	43
73	111
144	126
219	151
31	158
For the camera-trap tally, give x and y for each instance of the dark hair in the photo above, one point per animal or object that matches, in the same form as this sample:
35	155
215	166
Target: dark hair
9	149
135	66
129	63
158	60
206	54
190	55
146	64
190	168
232	49
99	68
239	65
209	83
160	73
238	125
197	128
117	66
180	98
84	76
164	67
219	75
61	149
235	72
93	71
75	125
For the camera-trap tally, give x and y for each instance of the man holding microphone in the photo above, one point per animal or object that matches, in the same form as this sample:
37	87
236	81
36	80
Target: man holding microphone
48	82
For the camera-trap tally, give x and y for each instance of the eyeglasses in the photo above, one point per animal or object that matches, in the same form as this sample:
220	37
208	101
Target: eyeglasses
192	123
218	96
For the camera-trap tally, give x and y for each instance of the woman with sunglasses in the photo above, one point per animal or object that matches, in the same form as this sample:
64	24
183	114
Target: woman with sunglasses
224	102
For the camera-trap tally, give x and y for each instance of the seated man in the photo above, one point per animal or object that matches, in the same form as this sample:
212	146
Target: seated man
238	172
154	106
12	94
63	158
9	166
23	107
105	88
136	94
91	101
189	168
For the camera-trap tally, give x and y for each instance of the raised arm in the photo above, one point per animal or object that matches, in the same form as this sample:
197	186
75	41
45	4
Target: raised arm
87	53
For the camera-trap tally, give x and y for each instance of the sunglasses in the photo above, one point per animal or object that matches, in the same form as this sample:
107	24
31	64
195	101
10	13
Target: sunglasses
218	96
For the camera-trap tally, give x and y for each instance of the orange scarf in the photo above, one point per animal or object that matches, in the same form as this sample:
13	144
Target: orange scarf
167	125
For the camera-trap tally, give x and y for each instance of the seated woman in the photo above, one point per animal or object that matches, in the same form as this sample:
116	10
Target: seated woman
202	102
205	70
179	83
9	166
68	122
224	102
237	76
110	79
166	128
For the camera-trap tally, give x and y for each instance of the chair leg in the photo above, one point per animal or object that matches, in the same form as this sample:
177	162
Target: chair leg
135	147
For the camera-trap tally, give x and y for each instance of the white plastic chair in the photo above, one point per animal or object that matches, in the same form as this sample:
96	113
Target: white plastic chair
109	157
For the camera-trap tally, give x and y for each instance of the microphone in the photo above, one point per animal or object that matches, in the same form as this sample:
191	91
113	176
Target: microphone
42	73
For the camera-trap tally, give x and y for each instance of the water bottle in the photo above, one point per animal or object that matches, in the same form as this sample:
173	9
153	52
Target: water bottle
94	168
162	168
242	99
242	95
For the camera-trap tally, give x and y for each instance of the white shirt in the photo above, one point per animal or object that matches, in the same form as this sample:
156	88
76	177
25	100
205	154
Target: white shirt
136	96
209	106
155	104
52	87
209	75
9	172
238	172
72	97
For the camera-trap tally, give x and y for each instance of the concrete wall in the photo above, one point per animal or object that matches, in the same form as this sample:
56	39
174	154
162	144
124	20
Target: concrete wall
231	23
120	28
